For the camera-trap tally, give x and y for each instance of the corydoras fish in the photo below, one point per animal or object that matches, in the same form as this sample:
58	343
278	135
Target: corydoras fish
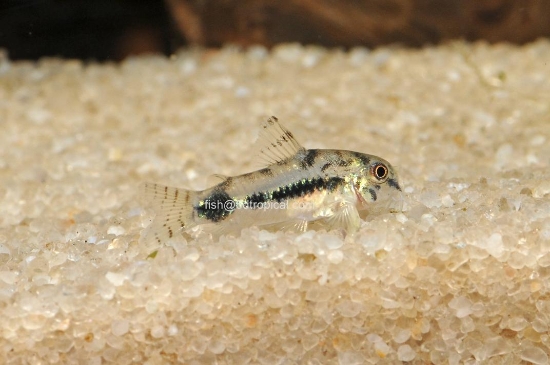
297	186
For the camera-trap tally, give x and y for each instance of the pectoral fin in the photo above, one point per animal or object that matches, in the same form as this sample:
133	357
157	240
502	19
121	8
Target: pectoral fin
346	217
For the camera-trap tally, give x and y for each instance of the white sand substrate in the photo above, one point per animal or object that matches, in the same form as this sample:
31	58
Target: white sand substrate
460	276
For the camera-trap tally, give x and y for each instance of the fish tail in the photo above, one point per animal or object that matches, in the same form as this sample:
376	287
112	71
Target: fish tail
174	211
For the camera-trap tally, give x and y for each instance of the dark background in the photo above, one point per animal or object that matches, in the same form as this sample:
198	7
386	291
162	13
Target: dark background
86	29
105	30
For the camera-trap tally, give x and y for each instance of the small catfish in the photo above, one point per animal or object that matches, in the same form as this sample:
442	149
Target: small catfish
296	187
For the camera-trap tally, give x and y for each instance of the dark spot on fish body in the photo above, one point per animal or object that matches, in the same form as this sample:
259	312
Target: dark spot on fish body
338	159
333	183
394	184
305	187
286	190
339	155
215	207
373	194
308	186
363	159
226	184
266	171
256	199
319	184
296	189
325	167
310	157
277	195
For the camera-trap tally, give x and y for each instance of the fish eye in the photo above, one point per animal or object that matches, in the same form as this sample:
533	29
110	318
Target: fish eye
380	171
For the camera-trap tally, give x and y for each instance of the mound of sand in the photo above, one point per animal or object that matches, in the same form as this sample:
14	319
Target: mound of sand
460	276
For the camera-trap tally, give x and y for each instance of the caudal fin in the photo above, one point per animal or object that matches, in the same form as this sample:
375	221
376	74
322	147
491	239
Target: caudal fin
174	212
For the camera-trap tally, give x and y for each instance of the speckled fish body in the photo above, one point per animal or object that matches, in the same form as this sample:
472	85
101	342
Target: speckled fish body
296	187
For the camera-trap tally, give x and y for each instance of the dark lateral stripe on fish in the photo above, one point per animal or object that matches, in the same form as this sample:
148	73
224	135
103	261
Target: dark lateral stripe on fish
297	189
219	205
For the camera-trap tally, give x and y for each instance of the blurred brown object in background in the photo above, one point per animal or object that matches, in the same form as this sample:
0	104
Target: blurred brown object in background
351	23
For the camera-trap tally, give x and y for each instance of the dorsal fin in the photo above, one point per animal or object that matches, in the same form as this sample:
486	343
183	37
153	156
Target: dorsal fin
276	143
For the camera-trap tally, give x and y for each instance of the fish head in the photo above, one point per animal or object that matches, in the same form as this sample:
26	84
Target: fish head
377	185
